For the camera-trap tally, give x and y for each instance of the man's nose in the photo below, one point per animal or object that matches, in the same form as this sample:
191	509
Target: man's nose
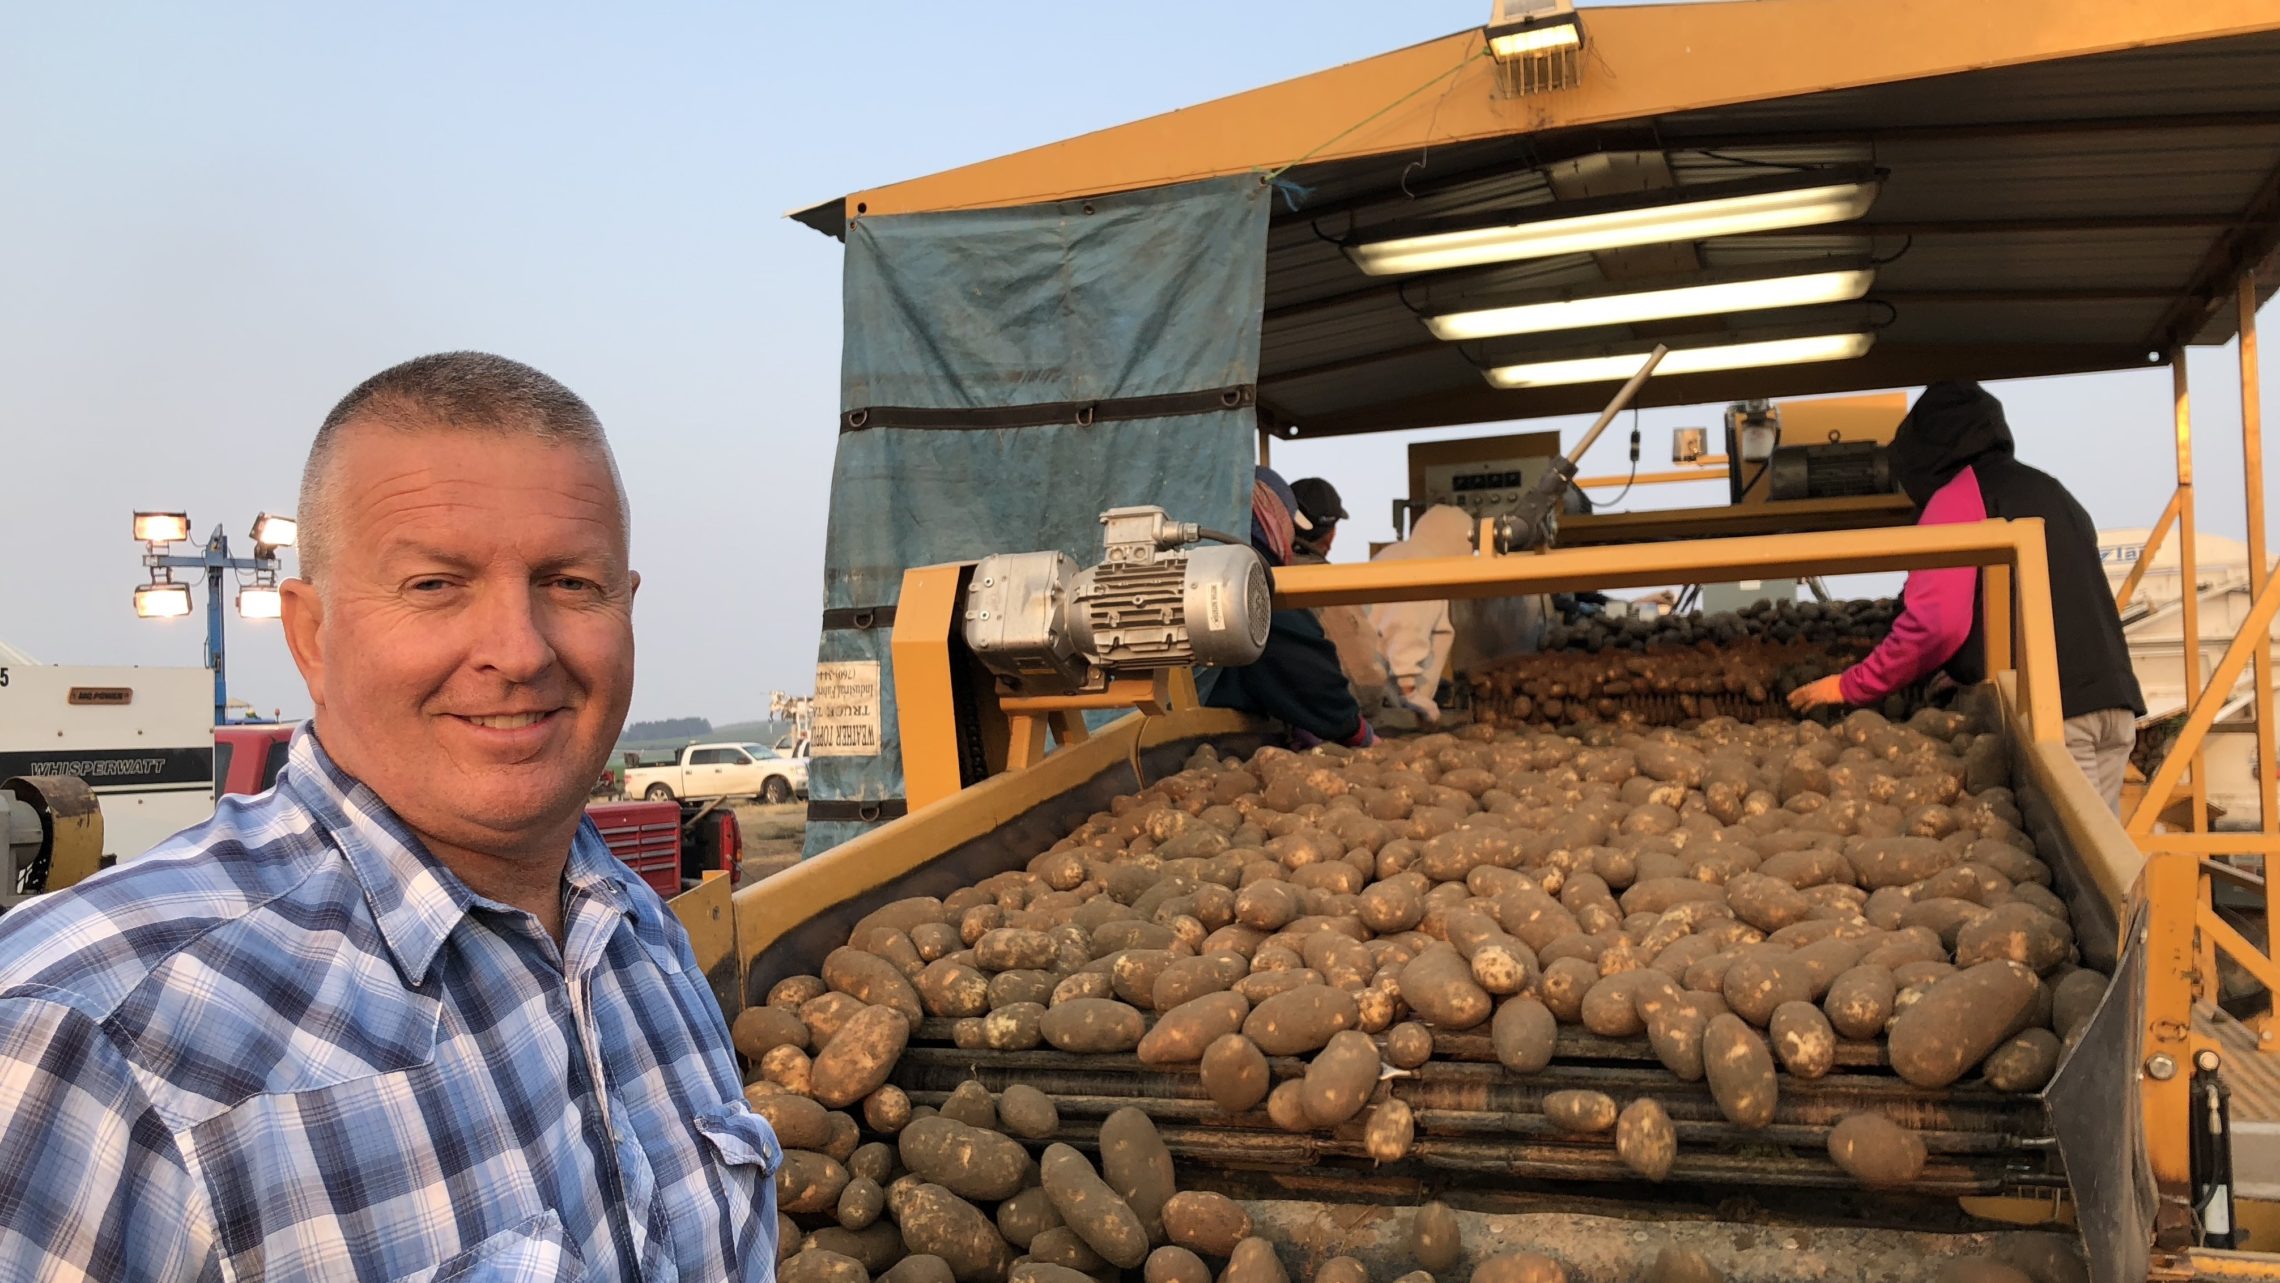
511	638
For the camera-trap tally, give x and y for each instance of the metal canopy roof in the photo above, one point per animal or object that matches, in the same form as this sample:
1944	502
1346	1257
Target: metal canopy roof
2050	211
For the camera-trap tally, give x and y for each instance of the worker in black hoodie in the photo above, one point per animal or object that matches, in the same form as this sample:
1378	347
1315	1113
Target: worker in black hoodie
1955	458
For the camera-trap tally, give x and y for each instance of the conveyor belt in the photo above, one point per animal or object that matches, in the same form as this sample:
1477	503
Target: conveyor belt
1475	1117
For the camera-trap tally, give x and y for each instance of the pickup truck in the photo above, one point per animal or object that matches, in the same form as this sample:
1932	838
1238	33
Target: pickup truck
721	770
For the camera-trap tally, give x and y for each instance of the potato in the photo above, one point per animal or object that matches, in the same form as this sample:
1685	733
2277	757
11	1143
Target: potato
816	1266
1286	1106
1063	1248
1503	967
1802	1040
860	1202
919	1269
1438	985
1134	973
1180	1036
1095	1025
1675	1034
1301	1020
1683	1265
760	1030
1758	982
1435	1241
1028	1112
1960	1019
800	1123
1340	1079
789	1239
1584	1113
1390	906
1766	903
1875	1151
1169	1264
1026	1215
1524	1034
809	1182
1136	1165
1235	1073
1184	980
1859	1001
1019	1027
1342	1269
886	1110
972	1105
1409	1044
1042	1271
1088	1206
793	992
2018	932
1519	1267
1611	1007
1562	987
1205	1222
1022	988
873	1162
1645	1140
2075	999
789	1067
2023	1063
1740	1070
936	1222
1390	1129
873	980
857	1061
968	1161
1897	861
1254	1261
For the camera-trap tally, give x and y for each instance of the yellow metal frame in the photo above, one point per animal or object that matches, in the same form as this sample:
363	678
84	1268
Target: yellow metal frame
1642	62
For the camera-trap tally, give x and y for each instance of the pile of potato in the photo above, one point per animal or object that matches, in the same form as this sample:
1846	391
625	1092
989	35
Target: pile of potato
1664	685
1742	897
1841	625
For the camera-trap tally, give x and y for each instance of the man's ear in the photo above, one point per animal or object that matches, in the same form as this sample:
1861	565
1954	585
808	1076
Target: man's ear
305	634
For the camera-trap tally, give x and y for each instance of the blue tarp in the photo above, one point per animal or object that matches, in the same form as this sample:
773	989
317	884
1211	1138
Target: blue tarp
1144	294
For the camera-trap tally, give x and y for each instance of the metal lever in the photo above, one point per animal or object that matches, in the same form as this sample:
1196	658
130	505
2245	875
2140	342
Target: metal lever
1531	524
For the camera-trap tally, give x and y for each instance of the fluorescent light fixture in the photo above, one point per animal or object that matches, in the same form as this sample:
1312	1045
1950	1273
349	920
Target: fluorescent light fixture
1700	360
271	530
162	601
1710	299
162	527
260	603
1791	203
1541	38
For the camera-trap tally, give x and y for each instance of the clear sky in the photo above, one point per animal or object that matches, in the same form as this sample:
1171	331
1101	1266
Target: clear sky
221	216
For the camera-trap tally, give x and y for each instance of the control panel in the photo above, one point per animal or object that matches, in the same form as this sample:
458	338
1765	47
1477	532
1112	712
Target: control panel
1485	476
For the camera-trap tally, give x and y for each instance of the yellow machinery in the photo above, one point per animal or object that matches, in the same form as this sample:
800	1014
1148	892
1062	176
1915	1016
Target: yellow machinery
2023	218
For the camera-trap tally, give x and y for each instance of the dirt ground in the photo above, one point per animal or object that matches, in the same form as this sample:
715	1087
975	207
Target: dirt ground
772	837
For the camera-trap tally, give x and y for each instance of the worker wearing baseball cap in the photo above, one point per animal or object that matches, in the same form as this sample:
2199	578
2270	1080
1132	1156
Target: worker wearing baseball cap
1319	512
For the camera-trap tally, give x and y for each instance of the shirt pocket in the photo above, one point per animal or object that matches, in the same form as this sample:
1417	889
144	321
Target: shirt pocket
745	1157
532	1251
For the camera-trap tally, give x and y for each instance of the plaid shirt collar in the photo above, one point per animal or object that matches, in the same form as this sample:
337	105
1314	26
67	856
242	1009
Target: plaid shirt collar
416	900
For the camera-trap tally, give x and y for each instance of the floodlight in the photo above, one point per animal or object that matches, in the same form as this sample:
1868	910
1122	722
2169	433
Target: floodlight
274	530
162	601
260	603
162	527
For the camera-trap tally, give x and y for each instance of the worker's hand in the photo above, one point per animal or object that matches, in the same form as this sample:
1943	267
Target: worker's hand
1828	690
1364	737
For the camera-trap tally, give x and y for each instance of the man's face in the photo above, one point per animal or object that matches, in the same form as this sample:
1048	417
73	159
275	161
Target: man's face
471	652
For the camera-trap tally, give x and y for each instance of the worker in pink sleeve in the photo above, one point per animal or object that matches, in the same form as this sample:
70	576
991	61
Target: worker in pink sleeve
1955	458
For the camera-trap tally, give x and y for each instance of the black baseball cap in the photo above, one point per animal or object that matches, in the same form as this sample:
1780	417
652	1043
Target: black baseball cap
1318	499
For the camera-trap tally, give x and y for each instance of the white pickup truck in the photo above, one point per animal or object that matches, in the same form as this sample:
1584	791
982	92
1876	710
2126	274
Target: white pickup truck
723	770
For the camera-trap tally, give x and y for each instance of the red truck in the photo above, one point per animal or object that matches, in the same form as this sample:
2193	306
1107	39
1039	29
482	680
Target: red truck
670	844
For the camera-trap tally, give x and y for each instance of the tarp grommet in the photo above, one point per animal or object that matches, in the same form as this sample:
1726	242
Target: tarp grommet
1085	415
857	418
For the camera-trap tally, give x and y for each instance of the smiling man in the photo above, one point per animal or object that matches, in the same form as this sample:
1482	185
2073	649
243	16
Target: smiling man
403	1017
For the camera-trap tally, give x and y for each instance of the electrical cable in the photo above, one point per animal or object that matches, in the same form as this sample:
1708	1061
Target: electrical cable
1631	480
1271	175
1750	162
1220	536
1896	255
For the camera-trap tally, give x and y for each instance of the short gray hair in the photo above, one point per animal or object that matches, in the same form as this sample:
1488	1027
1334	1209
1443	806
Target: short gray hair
452	392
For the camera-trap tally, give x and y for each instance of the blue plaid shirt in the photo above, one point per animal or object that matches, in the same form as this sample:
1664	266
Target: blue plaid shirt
289	1044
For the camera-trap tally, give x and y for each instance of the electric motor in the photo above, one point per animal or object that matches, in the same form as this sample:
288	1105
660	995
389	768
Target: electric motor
1156	601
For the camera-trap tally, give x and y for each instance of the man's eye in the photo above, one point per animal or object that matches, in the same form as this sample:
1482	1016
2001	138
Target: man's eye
573	583
430	585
